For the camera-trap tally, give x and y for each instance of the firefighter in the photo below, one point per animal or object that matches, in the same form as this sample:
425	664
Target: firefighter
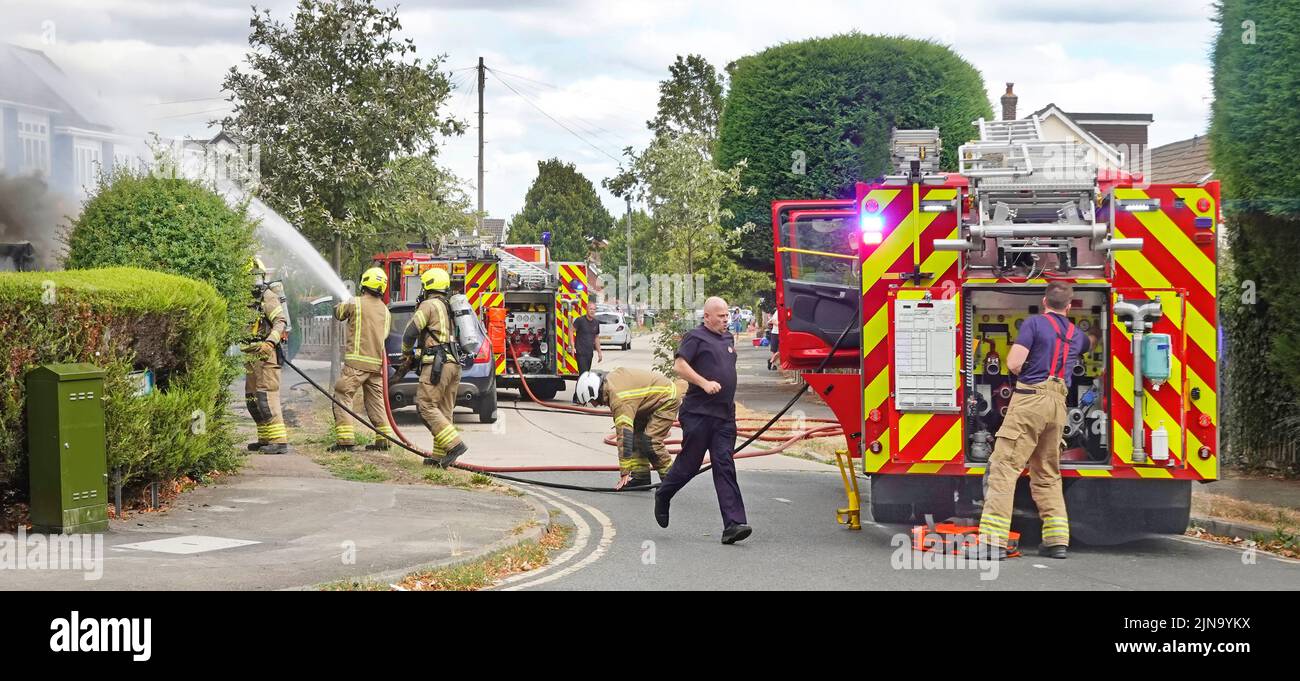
430	340
1043	356
368	322
262	365
644	406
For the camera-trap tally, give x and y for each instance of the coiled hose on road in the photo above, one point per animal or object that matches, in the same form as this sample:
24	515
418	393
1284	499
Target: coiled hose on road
501	472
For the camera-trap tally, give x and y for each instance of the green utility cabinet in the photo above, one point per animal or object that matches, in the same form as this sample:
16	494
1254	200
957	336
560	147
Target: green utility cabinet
65	436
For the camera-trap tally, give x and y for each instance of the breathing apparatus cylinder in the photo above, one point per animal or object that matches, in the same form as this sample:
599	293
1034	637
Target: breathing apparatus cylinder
469	329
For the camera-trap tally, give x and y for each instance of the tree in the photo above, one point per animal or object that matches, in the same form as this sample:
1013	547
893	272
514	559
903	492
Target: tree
690	101
329	101
648	254
684	192
418	202
1253	131
813	117
563	202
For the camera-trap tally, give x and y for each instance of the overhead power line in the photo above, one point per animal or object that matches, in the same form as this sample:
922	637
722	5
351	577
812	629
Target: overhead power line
553	119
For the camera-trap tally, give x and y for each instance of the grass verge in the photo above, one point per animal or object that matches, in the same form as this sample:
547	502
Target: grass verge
475	575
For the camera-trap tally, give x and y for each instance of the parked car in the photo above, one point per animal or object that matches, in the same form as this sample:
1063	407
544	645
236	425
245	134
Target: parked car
478	384
614	330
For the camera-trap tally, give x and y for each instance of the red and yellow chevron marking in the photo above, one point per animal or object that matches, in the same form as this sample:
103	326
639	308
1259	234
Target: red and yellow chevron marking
480	283
566	361
908	241
501	364
573	282
1171	260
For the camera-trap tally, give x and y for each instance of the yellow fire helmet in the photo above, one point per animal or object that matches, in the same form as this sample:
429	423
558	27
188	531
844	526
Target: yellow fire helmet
435	279
375	280
256	266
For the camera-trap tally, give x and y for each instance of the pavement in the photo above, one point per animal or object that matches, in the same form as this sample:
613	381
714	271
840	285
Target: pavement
285	523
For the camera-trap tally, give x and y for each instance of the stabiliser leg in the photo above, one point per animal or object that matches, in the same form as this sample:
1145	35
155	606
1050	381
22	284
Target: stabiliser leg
852	515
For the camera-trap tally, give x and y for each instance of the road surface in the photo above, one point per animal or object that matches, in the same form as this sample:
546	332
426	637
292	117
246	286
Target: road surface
791	503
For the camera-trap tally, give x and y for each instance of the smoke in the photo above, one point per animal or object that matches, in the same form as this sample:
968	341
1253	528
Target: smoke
31	211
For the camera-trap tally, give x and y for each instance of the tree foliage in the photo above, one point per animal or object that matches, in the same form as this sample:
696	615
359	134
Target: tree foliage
563	202
330	100
1253	134
173	225
830	103
690	100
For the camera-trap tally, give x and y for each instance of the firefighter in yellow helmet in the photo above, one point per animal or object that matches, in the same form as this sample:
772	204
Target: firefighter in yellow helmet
367	324
262	364
644	406
431	337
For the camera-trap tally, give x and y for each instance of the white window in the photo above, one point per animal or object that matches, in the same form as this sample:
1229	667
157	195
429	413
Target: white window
34	139
89	160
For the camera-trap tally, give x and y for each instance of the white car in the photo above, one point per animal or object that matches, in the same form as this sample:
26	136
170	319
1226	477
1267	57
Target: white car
614	330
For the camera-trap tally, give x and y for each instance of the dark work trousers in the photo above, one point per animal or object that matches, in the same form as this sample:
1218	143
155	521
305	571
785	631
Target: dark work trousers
584	365
718	437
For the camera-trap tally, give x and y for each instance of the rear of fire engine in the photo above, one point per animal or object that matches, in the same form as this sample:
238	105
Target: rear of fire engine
933	274
527	303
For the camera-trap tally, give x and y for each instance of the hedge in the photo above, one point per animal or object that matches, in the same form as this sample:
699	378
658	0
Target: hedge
1253	133
124	320
835	99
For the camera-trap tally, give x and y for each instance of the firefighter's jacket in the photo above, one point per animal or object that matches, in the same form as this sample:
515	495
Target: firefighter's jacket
431	326
368	322
636	392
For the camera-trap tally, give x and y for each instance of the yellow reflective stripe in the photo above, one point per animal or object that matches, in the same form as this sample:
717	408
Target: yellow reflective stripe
994	518
356	326
623	421
445	436
270	316
419	320
651	390
363	358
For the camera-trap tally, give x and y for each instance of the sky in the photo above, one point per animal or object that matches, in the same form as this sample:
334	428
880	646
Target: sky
577	79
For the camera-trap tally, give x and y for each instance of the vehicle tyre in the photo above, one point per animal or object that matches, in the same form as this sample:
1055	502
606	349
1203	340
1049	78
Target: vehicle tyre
546	390
891	513
487	407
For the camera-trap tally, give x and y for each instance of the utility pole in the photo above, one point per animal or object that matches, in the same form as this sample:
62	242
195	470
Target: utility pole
625	295
482	78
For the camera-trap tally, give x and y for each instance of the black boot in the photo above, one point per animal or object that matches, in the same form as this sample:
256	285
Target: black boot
736	533
661	509
340	447
637	481
254	446
452	454
378	446
278	448
1057	551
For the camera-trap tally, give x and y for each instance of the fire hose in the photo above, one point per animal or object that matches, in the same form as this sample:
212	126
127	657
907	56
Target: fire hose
832	428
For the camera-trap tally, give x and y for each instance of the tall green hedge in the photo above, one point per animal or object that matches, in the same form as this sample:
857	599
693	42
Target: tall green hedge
835	100
121	319
1253	135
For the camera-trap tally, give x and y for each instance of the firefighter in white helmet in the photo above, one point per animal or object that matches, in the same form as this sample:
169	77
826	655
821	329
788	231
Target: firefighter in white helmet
262	365
430	340
644	406
368	323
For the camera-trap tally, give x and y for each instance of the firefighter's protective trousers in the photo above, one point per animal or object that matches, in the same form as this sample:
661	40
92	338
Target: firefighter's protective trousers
1030	436
435	398
262	369
367	323
644	405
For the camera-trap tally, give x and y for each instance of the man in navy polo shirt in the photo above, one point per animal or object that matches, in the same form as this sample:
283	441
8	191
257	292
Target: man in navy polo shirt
706	359
1043	359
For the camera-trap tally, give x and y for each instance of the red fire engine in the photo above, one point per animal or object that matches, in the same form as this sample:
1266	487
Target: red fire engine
933	273
527	305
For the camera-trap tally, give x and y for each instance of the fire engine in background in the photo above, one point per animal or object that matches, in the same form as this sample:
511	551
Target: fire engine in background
934	272
527	303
